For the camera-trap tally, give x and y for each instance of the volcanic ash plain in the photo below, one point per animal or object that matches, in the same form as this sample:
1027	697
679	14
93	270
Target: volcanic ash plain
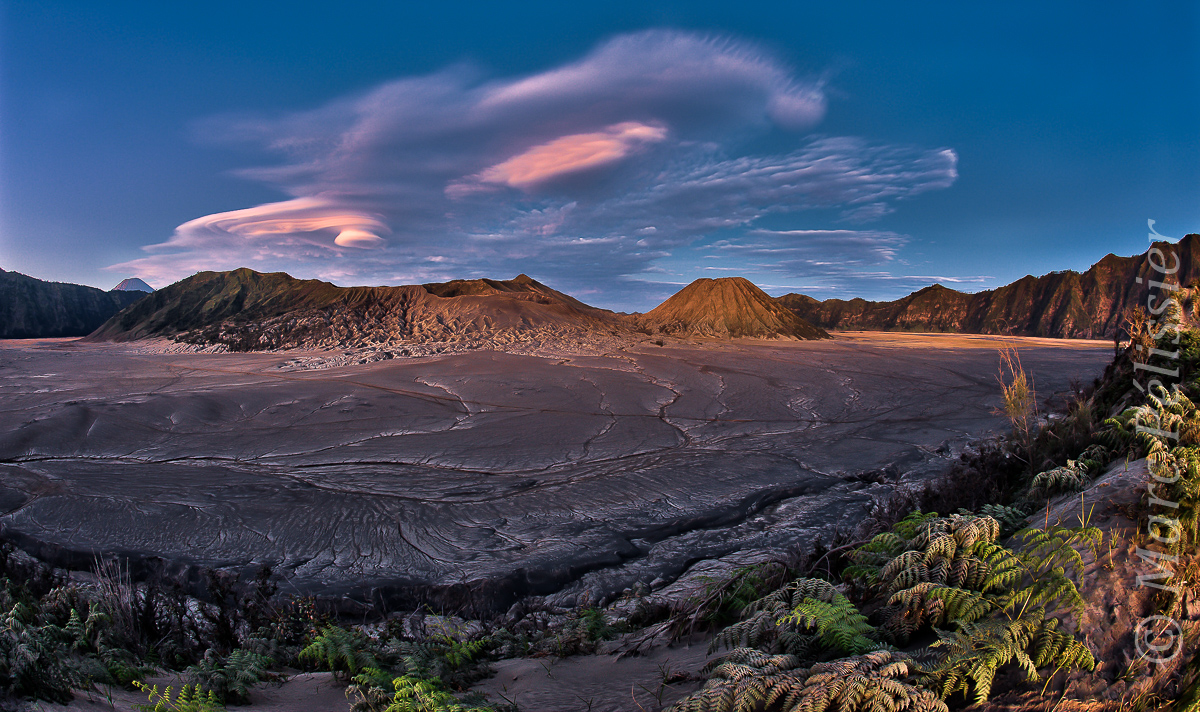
484	476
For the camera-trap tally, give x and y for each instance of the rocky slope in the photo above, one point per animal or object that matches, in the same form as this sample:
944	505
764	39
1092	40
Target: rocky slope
34	308
730	307
1061	304
247	311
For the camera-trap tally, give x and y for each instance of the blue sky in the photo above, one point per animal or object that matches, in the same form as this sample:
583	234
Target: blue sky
615	151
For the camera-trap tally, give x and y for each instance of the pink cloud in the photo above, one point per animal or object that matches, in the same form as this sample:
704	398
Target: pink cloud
297	216
312	228
354	237
563	156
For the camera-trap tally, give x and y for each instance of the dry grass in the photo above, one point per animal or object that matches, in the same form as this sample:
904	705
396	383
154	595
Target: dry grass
118	596
1020	399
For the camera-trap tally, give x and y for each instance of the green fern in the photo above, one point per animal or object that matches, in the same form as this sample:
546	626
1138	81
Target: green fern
191	698
1173	461
976	651
36	659
342	652
930	604
868	559
921	548
936	565
372	690
1019	630
1011	519
766	623
454	662
950	572
838	623
414	694
231	678
1075	476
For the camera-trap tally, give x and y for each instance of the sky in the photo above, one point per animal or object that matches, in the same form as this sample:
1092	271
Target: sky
615	151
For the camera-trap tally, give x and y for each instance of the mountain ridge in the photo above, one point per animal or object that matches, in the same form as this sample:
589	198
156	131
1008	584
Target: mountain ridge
1062	304
247	310
36	308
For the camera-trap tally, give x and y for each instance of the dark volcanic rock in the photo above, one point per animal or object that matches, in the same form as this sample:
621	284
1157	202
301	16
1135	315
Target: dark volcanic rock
1060	304
32	308
729	307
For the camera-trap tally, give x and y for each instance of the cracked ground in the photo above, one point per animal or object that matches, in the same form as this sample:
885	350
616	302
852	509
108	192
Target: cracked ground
506	474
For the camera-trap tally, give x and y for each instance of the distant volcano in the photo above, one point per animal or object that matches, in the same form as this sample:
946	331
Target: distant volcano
729	307
133	284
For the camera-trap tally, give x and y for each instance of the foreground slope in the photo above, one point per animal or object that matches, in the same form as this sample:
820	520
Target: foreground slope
247	310
34	308
727	307
1064	304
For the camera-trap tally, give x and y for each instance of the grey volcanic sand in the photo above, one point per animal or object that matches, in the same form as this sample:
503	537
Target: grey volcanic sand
510	474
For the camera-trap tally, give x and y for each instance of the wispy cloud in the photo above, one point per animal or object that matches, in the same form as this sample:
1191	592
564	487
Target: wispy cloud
585	175
829	263
831	260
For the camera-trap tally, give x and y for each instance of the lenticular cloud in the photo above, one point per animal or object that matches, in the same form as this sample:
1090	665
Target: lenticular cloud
563	156
592	171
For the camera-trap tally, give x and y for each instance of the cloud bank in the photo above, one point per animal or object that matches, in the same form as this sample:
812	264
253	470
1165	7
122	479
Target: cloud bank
587	175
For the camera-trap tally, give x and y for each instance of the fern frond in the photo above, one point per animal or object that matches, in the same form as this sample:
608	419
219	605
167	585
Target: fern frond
958	605
766	622
340	651
976	651
838	623
1069	478
875	682
1053	547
